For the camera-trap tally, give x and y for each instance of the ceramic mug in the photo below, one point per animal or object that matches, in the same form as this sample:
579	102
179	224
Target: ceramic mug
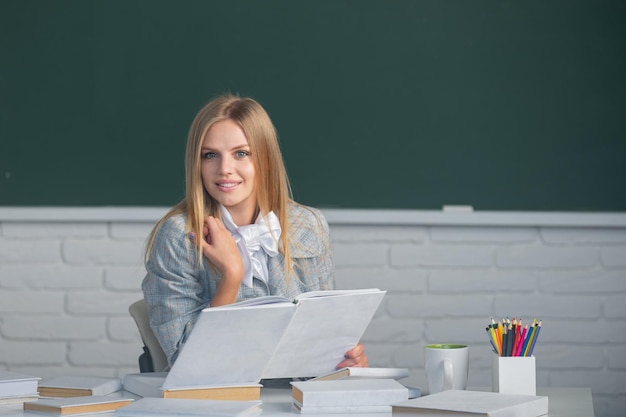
447	366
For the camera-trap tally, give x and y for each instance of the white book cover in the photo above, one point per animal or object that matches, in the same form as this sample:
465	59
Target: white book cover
19	399
348	392
77	405
457	403
304	337
14	384
354	372
87	385
342	409
147	384
182	408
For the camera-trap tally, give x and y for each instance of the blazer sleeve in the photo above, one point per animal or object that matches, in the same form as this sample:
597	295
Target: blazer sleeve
311	249
173	291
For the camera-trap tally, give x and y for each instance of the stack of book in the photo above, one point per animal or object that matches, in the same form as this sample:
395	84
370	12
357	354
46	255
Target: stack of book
16	388
150	384
347	396
148	407
76	394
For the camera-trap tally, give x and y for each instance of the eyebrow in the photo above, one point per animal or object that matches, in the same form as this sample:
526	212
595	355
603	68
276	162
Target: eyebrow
236	148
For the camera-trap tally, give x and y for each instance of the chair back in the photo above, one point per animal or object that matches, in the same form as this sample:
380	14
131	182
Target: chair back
139	311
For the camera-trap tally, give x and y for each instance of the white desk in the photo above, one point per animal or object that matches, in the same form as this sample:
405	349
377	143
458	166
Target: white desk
564	402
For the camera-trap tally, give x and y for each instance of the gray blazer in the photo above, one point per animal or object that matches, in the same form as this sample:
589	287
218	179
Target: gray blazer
177	286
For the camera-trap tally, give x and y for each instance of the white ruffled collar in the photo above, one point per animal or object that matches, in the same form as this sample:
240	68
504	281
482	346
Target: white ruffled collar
256	242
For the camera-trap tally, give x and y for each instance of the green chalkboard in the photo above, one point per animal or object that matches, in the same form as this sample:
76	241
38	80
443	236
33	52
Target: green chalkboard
503	105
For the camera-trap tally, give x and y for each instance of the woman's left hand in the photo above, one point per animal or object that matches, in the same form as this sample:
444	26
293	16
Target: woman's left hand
355	357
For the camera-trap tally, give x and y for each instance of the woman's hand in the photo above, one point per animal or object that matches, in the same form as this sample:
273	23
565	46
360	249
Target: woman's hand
355	357
220	248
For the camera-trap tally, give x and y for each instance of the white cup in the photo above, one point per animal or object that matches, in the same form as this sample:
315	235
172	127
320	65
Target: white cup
447	366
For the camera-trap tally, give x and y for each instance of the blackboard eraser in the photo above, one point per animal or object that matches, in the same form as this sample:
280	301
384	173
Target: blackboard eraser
457	208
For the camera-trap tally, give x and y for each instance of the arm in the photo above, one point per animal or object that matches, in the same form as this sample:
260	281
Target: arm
173	287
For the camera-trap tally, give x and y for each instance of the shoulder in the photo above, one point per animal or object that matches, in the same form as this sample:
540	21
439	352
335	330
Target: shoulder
308	231
305	216
171	235
174	225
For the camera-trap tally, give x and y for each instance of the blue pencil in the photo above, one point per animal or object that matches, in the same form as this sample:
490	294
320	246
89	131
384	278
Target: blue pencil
532	346
529	335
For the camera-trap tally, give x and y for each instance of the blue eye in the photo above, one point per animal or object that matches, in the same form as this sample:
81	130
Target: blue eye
242	154
209	155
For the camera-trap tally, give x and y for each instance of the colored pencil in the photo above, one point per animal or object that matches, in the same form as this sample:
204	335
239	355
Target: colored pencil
529	339
512	337
535	336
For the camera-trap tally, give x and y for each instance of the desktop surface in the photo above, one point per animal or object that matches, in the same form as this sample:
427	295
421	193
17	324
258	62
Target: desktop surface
563	402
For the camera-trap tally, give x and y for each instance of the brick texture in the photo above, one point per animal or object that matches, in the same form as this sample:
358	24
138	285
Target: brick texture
65	288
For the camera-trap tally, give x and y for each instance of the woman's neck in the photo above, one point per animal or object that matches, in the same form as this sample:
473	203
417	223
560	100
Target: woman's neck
244	217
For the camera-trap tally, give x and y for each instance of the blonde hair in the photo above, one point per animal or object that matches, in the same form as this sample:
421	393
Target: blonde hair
272	185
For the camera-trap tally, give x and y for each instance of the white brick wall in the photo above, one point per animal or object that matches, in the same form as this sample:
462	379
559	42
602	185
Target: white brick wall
66	283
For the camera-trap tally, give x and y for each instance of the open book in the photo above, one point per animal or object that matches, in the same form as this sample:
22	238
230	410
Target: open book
273	337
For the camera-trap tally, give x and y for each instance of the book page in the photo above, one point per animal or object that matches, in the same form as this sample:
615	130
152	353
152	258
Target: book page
332	293
230	345
268	299
322	330
366	373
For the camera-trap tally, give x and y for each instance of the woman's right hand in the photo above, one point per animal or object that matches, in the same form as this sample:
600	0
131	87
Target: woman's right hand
220	248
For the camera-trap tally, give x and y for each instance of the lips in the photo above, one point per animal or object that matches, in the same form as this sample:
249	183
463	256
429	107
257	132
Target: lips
227	185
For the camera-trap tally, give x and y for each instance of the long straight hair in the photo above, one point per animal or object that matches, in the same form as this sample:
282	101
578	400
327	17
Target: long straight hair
272	185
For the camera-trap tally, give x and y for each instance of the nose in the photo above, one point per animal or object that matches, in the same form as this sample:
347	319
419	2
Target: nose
226	165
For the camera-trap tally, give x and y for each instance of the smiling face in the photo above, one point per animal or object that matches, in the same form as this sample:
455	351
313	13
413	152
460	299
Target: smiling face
228	172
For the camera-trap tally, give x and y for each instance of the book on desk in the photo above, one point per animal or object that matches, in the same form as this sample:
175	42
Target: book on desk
147	407
273	337
462	403
345	396
150	384
15	383
77	405
17	388
363	373
263	338
78	386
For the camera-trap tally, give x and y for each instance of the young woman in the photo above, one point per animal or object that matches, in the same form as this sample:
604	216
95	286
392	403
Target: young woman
237	234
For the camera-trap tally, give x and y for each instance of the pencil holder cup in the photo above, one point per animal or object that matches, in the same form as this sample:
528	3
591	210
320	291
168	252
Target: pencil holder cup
514	374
